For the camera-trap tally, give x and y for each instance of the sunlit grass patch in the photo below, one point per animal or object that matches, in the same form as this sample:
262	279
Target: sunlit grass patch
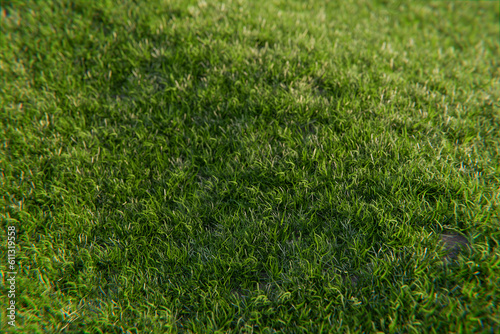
251	166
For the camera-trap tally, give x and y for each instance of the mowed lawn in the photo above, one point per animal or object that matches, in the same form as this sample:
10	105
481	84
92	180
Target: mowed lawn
250	166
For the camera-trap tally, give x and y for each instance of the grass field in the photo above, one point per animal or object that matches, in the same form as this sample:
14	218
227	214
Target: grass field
250	166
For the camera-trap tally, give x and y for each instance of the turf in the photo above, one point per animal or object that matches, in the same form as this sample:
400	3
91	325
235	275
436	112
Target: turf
238	167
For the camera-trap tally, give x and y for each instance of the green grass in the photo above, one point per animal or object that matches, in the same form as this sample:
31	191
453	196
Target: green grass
250	166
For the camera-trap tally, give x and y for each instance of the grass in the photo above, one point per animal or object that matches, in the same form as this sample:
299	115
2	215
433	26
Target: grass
267	166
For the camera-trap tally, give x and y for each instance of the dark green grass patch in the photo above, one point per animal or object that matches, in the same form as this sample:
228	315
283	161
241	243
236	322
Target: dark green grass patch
251	166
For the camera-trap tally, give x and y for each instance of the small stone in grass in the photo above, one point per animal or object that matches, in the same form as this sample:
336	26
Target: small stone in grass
353	280
453	243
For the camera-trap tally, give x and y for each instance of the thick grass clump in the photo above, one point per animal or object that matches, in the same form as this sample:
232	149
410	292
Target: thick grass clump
251	166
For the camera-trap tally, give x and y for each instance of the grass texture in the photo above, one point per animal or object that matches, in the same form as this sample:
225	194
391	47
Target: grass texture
250	166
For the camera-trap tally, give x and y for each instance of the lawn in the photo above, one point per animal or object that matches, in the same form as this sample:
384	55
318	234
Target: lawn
250	166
